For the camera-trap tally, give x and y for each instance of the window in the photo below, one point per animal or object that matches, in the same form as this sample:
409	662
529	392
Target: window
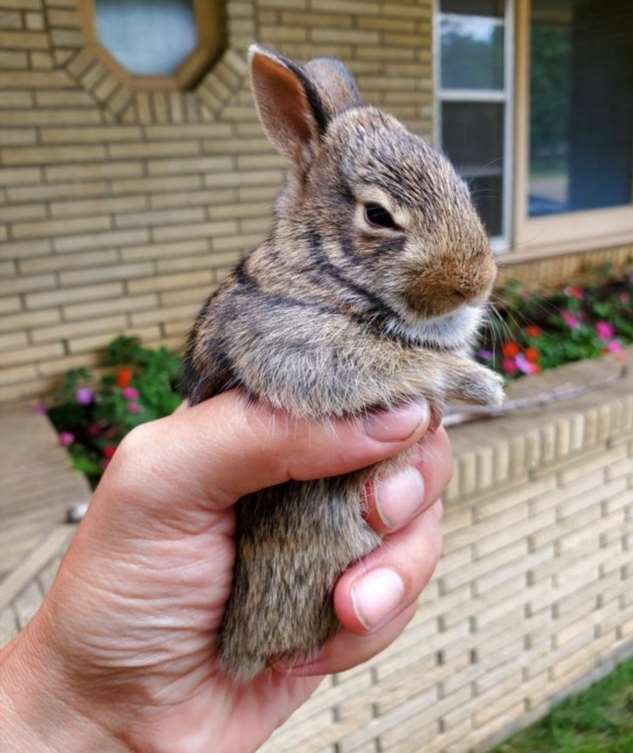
474	38
149	38
581	106
154	44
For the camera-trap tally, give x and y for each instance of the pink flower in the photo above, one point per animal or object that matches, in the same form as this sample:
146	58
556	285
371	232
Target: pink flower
130	393
570	320
40	409
509	365
525	365
615	346
624	298
604	330
84	396
133	407
65	438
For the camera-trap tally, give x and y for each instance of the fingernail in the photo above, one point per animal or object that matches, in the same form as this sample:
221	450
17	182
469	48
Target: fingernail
376	596
399	497
397	424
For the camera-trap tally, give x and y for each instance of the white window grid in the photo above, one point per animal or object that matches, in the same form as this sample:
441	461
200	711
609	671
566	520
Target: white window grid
502	242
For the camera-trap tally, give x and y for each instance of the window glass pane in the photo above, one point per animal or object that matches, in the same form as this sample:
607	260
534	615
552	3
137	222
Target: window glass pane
581	105
472	53
147	37
472	137
474	7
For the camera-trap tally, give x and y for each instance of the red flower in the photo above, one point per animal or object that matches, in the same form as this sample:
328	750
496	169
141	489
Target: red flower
109	450
532	355
532	330
123	377
510	350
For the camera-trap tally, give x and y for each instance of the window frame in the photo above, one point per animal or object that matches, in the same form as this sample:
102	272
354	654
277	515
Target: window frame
530	237
210	32
569	231
502	243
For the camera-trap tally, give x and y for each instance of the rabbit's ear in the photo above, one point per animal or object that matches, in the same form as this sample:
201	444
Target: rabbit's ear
288	104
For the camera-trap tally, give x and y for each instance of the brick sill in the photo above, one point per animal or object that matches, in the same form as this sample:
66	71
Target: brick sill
510	449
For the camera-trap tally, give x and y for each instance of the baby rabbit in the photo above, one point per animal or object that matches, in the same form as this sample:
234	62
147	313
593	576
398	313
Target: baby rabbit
367	294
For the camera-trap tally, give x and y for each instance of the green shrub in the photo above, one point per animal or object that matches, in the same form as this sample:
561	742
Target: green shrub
92	415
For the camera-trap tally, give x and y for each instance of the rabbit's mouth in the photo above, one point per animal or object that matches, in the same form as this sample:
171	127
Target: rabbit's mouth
450	331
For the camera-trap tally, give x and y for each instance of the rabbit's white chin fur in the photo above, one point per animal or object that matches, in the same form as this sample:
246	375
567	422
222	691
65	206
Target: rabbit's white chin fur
453	330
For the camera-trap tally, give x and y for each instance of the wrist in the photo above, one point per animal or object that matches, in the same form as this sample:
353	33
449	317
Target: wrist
39	713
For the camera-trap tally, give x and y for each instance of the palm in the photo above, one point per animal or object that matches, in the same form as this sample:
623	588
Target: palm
159	600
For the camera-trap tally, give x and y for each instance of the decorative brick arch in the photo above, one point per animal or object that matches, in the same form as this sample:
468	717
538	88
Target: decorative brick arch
127	99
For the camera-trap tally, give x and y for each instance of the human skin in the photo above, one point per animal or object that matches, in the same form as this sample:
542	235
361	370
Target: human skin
121	656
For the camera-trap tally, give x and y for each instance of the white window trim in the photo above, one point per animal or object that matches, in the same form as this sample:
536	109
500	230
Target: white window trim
503	242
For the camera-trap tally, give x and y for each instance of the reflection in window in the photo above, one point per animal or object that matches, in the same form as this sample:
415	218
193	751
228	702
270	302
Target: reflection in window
581	105
147	37
472	52
474	101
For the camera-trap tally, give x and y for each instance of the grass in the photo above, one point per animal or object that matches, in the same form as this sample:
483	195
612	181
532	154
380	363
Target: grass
598	720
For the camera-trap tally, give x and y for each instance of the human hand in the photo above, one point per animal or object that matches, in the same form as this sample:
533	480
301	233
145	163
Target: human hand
124	645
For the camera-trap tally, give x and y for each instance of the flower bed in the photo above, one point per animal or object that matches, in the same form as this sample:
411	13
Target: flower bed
530	333
533	332
92	415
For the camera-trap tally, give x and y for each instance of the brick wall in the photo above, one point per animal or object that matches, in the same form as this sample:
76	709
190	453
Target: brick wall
533	596
121	210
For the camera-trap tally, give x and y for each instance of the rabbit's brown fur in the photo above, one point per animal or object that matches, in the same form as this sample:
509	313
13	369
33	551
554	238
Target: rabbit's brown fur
333	316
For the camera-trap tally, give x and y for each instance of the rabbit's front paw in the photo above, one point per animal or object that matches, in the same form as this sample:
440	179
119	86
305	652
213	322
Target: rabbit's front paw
480	386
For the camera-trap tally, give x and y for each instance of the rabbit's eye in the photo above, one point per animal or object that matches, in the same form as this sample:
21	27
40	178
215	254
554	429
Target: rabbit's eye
378	216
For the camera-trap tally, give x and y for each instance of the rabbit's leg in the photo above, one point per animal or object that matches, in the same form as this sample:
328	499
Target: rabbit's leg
293	541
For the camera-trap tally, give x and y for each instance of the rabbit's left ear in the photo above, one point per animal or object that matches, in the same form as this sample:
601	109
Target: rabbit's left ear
288	105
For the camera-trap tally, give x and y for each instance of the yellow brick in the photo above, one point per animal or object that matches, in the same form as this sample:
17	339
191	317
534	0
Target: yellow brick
118	305
63	18
154	149
15	99
93	342
23	39
18	176
22	390
50	117
22	212
15	136
169	282
30	79
17	374
13	59
84	327
9	304
105	274
207	198
74	295
60	262
94	171
199	164
31	354
10	341
113	238
161	217
28	319
97	134
68	98
50	154
97	206
58	191
55	227
145	185
194	230
26	284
